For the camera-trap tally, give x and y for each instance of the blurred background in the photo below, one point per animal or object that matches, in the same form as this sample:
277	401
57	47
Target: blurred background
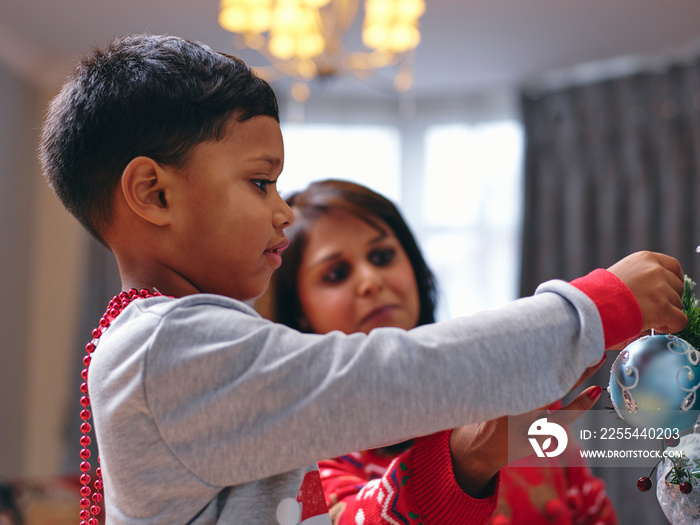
523	139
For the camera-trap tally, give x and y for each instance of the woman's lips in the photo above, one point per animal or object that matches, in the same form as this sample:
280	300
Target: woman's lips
379	314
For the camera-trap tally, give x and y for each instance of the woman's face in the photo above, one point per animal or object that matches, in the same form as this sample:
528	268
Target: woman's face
353	278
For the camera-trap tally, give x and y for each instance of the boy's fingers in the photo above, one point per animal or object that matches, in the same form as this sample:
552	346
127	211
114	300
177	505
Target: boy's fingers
677	283
674	266
676	322
662	303
673	319
656	280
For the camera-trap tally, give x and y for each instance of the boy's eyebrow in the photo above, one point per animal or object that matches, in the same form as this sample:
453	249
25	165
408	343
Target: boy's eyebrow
274	161
336	255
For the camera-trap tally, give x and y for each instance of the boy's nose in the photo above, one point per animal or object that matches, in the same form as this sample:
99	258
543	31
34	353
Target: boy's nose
284	216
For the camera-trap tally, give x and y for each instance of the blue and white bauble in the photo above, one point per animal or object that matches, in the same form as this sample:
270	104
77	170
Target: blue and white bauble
654	383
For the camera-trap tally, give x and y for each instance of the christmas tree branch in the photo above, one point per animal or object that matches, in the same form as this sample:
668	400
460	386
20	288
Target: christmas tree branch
691	332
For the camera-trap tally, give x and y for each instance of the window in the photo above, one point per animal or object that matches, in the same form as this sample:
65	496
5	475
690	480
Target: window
368	155
471	212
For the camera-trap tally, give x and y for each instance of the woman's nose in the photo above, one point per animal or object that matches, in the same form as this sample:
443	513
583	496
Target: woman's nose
370	282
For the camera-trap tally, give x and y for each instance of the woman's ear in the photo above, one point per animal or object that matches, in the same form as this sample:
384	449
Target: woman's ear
146	188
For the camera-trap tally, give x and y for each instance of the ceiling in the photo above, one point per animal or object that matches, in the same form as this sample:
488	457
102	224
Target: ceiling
467	45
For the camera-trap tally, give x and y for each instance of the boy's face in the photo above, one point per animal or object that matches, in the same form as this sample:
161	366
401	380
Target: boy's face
230	219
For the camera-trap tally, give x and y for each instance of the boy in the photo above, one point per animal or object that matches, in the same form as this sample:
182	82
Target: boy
204	412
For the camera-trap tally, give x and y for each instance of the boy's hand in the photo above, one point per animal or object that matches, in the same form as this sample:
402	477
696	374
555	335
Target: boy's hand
656	280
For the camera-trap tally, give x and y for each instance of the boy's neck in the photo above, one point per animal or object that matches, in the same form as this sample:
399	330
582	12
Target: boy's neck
163	280
139	255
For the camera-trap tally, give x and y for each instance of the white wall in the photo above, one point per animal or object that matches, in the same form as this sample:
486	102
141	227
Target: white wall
41	254
17	108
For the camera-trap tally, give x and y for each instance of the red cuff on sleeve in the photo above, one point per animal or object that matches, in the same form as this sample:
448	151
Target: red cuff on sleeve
617	306
432	467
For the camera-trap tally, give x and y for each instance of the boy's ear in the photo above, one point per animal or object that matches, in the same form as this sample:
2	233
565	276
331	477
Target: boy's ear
145	185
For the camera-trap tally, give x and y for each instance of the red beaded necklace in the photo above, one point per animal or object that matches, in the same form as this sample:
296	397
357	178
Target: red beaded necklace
90	509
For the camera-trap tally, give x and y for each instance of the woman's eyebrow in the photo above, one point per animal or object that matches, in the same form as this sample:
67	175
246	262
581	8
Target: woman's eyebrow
379	238
325	259
338	255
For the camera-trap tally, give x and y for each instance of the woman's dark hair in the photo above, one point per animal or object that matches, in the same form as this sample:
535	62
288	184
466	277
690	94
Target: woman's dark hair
156	96
331	195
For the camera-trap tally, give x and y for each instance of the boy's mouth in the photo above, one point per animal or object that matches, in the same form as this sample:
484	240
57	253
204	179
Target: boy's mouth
279	247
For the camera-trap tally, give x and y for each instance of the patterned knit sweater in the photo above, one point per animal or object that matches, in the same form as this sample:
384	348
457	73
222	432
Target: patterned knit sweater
377	487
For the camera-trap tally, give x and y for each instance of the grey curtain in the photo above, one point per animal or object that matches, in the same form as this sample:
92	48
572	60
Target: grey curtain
612	167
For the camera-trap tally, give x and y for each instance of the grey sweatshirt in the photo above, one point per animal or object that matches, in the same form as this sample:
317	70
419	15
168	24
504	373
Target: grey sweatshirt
194	395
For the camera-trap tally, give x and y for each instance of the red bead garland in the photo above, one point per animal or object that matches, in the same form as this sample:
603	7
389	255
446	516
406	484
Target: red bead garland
90	509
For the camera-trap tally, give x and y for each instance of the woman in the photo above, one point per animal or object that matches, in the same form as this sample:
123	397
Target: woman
353	265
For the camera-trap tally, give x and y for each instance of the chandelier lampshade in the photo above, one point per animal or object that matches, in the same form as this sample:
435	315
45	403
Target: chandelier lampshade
303	39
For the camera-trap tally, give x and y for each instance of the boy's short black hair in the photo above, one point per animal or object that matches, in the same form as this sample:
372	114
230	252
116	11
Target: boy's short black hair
156	96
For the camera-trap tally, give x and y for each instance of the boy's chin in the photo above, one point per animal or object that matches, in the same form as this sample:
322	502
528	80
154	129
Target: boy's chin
251	290
255	293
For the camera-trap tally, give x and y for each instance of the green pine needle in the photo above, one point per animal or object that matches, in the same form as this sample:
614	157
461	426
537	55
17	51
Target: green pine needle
691	332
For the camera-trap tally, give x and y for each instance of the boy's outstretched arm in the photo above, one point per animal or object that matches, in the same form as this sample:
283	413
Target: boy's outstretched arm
656	281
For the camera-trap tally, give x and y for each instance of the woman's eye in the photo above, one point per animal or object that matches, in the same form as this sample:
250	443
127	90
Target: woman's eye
337	273
262	184
381	256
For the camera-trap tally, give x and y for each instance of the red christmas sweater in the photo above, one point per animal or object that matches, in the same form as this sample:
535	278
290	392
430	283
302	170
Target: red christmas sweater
417	486
413	488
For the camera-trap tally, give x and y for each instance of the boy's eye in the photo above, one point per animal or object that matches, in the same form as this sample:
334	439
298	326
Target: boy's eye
337	273
262	184
381	256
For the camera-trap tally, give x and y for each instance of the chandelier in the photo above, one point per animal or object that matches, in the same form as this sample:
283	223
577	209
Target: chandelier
303	39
